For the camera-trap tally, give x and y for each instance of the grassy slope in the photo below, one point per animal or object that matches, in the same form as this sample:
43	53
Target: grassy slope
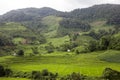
100	25
64	63
11	26
53	23
110	56
58	41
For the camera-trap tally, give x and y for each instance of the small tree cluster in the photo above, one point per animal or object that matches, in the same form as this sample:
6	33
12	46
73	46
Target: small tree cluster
4	72
110	74
35	50
74	76
106	42
44	75
50	48
20	53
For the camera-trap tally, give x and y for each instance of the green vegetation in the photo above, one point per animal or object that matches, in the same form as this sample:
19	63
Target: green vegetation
44	44
88	64
2	78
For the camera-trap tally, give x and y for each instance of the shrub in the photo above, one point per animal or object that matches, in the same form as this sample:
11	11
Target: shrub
8	72
111	74
20	53
44	75
50	48
35	50
2	71
36	75
74	76
5	72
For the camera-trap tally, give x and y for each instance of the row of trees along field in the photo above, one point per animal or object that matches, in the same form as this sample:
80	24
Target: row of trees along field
108	74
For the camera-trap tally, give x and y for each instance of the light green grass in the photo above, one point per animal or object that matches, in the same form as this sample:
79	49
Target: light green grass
18	40
53	23
100	25
58	41
11	26
88	64
2	78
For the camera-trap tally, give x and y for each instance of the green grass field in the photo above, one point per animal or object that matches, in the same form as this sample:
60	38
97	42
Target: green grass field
64	63
13	78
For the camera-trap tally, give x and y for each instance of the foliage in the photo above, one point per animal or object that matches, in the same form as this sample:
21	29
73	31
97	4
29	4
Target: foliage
4	72
93	46
106	42
5	41
114	20
44	75
49	48
35	50
111	74
20	53
81	49
97	35
27	14
102	11
66	25
74	76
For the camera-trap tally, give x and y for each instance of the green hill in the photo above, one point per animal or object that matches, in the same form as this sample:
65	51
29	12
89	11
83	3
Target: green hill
52	23
84	40
110	56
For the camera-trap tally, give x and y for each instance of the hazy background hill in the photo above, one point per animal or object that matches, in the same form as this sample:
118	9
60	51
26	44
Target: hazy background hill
27	14
104	11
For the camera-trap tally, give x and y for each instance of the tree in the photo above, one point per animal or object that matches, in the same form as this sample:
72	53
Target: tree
49	48
8	72
35	50
36	75
104	42
2	71
93	46
111	74
20	53
74	76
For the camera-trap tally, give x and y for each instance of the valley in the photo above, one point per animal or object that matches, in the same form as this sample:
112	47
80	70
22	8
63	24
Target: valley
46	44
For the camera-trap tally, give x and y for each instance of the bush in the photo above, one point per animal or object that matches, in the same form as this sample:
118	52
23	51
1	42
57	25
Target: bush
110	74
50	48
2	71
74	76
35	50
44	75
93	46
8	72
20	53
5	72
36	75
81	49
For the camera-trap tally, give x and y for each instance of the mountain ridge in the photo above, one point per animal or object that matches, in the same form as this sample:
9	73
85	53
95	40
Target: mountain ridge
93	12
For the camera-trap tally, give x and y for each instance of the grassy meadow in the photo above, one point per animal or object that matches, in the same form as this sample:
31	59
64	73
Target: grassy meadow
89	64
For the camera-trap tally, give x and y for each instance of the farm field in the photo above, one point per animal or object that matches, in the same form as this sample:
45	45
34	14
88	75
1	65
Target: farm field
13	78
63	63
